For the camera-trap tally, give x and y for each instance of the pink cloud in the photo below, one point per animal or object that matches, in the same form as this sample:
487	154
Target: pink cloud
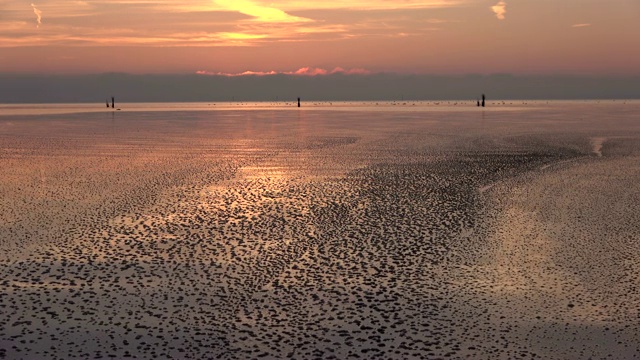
305	71
308	71
246	73
355	71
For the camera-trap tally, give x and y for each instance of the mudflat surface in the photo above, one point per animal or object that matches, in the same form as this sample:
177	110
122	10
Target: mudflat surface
508	232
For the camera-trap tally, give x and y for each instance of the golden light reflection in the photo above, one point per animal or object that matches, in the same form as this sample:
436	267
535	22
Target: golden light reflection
264	172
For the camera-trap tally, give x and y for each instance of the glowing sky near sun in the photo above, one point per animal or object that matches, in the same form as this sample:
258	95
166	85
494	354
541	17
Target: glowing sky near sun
256	36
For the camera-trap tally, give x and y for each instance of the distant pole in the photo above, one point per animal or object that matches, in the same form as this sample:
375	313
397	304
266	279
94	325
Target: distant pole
107	101
298	102
478	103
113	102
482	100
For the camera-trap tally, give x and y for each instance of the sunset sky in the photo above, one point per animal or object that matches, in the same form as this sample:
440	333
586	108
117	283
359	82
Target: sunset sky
593	37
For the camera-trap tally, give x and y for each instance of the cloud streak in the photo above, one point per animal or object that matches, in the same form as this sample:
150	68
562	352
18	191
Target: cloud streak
580	25
38	15
258	12
358	5
305	71
500	9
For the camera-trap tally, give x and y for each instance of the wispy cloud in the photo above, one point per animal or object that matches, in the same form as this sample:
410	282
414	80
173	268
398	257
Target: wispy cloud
313	71
356	5
245	73
500	9
38	14
580	25
305	71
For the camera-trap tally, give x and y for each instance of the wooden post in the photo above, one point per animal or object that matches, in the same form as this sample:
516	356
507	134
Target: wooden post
482	100
113	102
298	102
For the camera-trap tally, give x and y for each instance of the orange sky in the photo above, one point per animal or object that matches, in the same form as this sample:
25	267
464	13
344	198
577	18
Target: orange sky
235	36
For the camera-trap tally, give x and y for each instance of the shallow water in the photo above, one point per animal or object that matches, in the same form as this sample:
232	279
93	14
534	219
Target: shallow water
334	230
394	106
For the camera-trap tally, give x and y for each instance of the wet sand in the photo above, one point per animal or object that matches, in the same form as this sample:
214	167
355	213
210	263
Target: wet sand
349	233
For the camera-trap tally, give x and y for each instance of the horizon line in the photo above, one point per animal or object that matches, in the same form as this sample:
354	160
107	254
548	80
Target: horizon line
311	72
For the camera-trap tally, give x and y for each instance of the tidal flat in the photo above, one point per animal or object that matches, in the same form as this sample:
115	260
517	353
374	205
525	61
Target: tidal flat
391	231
